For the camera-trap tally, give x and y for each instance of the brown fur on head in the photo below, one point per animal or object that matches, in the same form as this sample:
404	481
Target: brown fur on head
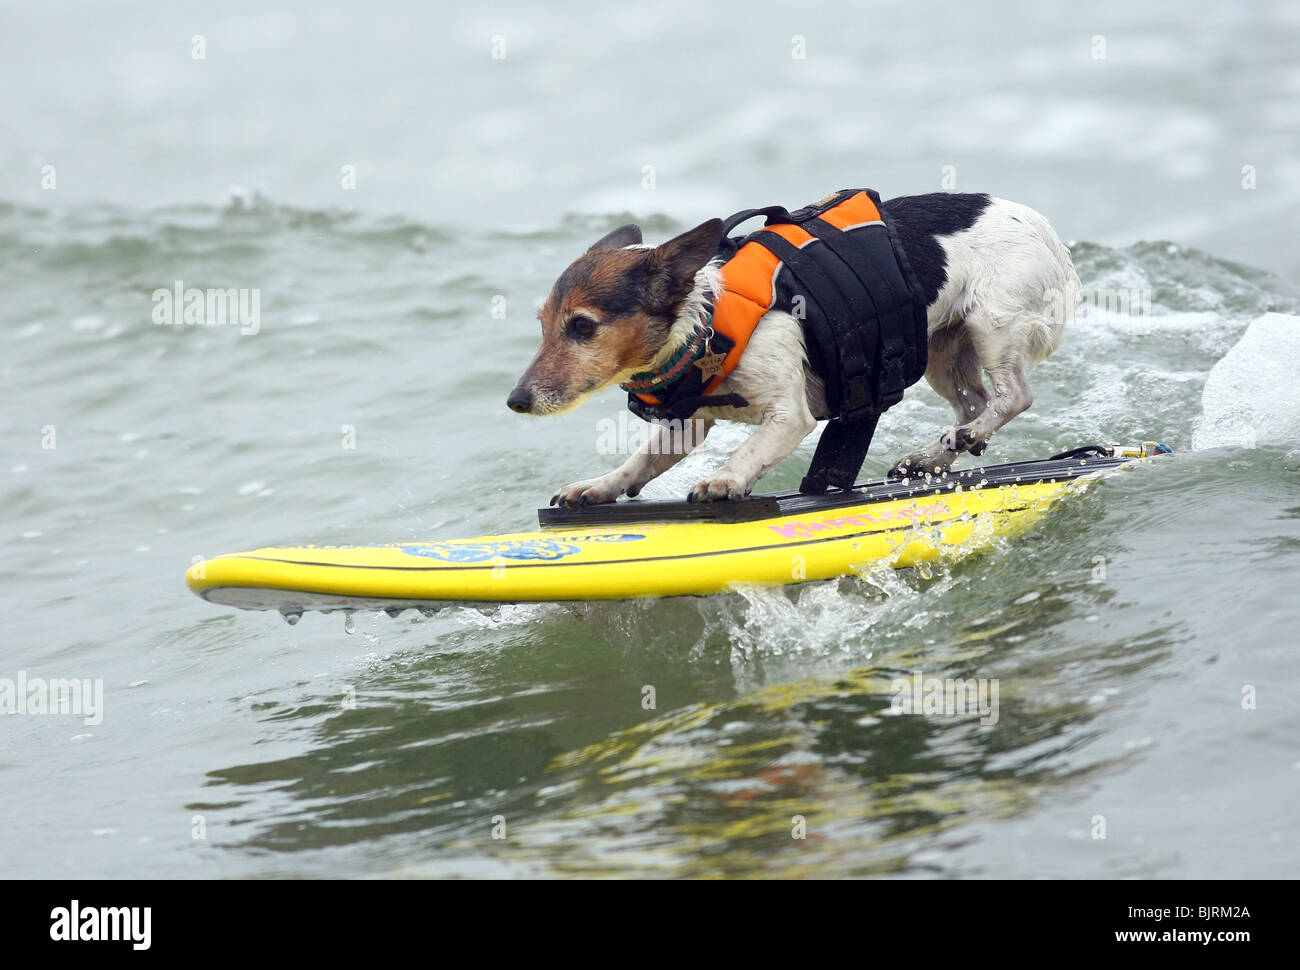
609	315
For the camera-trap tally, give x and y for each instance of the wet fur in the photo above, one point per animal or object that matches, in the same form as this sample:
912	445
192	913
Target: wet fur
998	282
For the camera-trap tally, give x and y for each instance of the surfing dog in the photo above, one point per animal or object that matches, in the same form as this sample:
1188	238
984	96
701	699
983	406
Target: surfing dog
995	282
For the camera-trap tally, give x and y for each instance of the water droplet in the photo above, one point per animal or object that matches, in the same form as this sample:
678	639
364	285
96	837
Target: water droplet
291	616
349	624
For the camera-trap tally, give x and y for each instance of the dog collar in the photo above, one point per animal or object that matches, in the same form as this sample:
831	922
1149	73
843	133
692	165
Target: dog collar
673	369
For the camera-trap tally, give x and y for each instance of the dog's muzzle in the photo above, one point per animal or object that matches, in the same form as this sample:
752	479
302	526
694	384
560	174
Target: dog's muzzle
520	400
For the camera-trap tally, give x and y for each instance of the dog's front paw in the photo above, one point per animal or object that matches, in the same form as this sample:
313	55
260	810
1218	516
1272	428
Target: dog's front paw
593	491
724	485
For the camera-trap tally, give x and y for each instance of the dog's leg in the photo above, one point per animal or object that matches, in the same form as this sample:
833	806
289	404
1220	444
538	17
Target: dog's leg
666	445
1000	348
774	376
953	370
1010	289
1003	350
1011	396
779	433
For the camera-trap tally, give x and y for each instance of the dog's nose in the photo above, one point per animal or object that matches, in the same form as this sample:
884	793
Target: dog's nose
521	400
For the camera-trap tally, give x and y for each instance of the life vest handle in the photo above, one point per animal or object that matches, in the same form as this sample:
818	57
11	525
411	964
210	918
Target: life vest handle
773	213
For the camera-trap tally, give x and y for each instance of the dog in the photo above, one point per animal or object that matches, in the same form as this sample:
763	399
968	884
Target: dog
995	282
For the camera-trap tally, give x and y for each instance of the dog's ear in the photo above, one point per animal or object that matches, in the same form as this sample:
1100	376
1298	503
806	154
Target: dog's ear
629	235
678	260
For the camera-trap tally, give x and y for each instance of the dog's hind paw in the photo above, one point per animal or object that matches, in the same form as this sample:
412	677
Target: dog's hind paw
922	463
938	458
963	439
968	441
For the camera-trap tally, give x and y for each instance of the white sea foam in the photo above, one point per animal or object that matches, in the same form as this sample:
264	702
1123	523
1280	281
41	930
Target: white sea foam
1252	394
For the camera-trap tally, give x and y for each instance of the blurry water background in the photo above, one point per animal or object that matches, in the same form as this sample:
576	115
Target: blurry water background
491	142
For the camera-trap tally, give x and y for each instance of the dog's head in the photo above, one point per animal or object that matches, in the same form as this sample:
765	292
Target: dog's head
609	315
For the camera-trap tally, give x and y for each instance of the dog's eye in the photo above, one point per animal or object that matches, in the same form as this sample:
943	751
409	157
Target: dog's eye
582	327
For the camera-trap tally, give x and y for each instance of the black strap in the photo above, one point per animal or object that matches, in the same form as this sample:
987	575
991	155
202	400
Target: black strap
838	289
839	455
683	397
730	245
889	314
1096	451
682	408
773	213
777	214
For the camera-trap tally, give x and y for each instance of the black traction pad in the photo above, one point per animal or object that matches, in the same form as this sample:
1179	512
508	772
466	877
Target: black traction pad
780	504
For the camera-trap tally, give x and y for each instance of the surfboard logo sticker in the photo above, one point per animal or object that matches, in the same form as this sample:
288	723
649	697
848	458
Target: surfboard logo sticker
807	528
519	550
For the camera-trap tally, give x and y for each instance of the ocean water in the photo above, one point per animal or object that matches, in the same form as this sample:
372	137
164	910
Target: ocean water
1143	636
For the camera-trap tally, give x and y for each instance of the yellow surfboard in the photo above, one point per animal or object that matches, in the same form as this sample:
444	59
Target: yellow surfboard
648	549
